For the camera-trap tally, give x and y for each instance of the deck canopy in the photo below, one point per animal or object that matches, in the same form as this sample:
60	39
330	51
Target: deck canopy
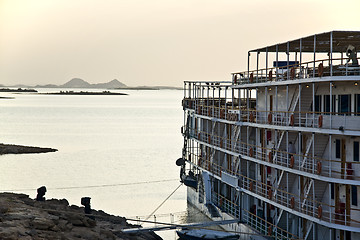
340	41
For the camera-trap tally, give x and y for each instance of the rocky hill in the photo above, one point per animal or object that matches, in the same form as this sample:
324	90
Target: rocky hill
24	218
79	83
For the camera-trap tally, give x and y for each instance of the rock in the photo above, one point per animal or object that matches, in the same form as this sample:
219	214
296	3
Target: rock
42	223
23	218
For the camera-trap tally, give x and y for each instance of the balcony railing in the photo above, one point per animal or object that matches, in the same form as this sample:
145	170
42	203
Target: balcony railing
299	203
262	226
304	163
319	120
305	70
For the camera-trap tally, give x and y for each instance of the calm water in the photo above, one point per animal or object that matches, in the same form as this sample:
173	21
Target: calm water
102	140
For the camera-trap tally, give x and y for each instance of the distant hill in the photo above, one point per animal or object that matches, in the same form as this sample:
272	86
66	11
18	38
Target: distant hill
79	83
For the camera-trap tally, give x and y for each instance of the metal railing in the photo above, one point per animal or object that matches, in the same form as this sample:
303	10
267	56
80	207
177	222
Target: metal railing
306	205
297	71
302	162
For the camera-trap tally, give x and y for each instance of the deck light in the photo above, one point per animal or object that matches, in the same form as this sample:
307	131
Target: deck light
355	83
307	86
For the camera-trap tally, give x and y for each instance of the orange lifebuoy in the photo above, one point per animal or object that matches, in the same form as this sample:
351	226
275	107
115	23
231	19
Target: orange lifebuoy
292	202
319	212
209	139
269	230
270	75
251	117
292	161
270	156
292	120
320	122
318	169
321	69
251	77
251	152
292	73
269	118
251	186
270	193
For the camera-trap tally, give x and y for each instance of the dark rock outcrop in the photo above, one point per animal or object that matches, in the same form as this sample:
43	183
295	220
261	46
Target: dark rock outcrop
24	218
18	149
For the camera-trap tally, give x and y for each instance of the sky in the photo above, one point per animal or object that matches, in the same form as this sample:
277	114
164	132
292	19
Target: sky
152	42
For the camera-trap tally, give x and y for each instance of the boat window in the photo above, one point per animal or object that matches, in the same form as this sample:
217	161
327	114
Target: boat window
337	148
354	195
327	104
332	190
318	103
357	104
356	151
344	104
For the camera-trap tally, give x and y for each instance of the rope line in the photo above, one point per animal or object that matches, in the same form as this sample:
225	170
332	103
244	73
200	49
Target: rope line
93	186
164	201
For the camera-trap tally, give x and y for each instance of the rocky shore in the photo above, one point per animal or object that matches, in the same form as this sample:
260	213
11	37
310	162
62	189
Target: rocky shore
18	149
24	218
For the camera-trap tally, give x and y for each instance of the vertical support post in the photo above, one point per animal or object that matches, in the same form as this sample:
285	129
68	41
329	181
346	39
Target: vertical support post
299	104
313	105
331	52
314	55
277	62
257	66
287	59
266	101
248	66
300	60
266	65
331	104
287	104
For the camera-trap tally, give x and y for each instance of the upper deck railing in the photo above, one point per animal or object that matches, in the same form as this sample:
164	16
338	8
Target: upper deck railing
318	68
319	120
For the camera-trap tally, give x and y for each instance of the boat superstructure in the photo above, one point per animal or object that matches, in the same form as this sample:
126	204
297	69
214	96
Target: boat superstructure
277	147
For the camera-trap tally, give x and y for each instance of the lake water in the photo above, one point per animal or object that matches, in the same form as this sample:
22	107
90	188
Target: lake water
121	141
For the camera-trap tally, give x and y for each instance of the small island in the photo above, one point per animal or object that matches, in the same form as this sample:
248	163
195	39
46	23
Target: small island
18	90
18	149
85	93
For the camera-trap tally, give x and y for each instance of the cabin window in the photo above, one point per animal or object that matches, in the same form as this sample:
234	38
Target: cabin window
356	151
327	109
332	191
344	104
318	103
357	104
337	148
354	198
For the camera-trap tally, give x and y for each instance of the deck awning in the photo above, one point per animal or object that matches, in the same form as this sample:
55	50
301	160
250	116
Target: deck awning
340	41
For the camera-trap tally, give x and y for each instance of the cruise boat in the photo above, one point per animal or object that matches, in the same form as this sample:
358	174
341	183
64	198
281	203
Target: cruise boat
277	145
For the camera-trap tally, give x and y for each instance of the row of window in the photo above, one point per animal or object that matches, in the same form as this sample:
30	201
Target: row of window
344	103
338	150
354	195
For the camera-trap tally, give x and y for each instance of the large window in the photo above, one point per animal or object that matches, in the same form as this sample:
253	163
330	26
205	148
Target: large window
344	104
356	151
327	104
337	148
354	198
318	103
357	104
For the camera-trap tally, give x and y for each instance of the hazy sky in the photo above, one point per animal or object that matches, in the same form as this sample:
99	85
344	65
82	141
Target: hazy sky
152	42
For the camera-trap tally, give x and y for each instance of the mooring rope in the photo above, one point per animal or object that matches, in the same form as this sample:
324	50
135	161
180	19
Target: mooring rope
92	186
163	201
